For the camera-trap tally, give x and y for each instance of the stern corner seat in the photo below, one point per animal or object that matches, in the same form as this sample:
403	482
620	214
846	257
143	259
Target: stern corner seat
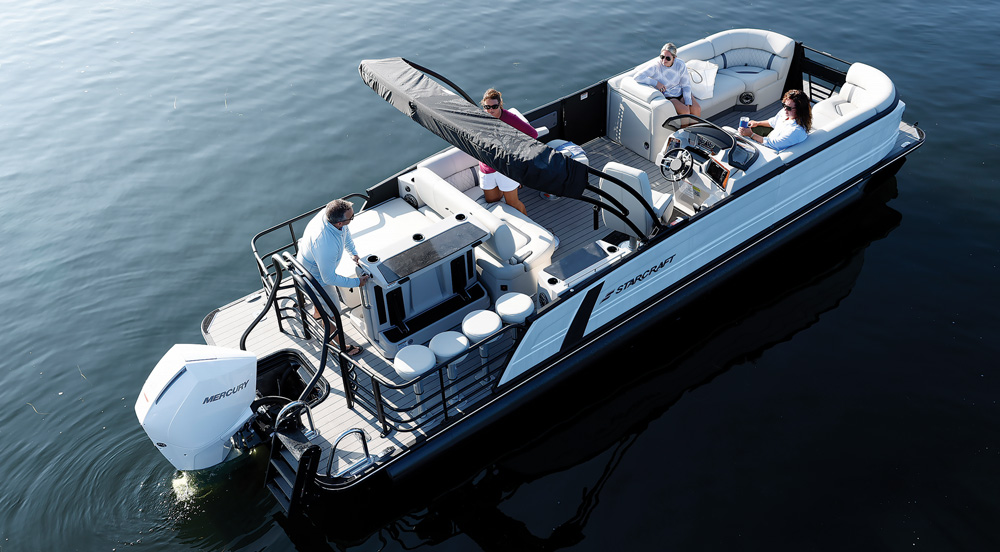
865	92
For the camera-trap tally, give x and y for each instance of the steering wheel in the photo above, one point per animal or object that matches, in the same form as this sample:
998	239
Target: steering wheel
676	164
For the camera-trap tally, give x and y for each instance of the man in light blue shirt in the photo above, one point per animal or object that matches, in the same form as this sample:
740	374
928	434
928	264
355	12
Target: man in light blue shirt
323	243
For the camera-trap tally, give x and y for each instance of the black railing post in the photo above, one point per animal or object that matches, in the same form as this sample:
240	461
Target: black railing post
300	303
444	392
271	298
379	407
344	375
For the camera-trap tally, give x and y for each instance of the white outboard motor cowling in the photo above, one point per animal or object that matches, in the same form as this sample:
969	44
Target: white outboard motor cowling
196	398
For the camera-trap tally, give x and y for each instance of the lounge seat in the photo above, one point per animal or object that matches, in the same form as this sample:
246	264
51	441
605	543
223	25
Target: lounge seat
753	65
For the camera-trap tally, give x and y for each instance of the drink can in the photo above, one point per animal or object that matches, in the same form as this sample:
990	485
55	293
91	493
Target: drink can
744	122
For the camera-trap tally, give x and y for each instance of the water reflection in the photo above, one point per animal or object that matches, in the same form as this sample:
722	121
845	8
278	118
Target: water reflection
222	508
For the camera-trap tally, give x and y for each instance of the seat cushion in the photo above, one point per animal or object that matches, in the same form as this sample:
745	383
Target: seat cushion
727	89
754	78
827	112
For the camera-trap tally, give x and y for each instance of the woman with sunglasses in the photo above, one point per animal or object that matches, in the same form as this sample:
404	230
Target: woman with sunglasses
789	127
669	75
494	184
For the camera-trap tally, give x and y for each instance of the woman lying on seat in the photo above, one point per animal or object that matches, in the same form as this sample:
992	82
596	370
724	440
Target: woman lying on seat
789	127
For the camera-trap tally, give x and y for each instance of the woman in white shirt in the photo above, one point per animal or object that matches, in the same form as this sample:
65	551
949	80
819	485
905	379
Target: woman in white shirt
669	75
790	126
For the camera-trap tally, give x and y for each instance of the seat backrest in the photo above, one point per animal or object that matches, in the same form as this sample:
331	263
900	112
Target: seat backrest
867	87
449	162
765	49
637	214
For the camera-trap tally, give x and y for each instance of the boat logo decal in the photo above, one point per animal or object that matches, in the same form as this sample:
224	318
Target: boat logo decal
226	393
639	278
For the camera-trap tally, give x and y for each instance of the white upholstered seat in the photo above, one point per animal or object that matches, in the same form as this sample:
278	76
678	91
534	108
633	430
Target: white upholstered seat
662	203
749	61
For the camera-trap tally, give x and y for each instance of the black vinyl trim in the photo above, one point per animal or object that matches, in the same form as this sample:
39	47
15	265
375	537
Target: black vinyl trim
380	304
458	280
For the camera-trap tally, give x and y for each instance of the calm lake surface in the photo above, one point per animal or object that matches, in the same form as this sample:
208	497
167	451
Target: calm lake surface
841	395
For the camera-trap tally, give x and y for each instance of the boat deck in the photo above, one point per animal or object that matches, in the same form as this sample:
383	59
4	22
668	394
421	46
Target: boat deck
574	224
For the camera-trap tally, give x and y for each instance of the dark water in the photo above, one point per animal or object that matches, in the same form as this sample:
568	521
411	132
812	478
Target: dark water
842	395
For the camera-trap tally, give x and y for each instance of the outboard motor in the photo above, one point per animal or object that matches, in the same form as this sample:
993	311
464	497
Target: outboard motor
197	398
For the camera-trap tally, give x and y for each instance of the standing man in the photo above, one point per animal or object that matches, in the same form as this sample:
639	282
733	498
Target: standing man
321	247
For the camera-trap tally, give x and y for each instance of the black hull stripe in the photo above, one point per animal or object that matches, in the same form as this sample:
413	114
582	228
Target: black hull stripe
579	323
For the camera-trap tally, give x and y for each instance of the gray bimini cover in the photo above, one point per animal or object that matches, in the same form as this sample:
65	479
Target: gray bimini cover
466	126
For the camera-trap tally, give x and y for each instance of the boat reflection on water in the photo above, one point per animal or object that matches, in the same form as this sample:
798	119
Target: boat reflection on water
766	303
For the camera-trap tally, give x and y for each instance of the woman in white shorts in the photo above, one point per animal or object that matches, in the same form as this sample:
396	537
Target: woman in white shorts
494	184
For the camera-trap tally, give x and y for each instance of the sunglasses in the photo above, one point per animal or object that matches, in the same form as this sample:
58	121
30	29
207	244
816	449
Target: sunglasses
492	106
666	58
788	107
347	220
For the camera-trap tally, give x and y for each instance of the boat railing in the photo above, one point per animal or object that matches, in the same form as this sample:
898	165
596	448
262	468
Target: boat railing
398	406
277	242
306	286
445	391
356	467
822	73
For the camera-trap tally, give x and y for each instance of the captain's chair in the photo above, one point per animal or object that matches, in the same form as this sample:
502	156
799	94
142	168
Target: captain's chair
662	203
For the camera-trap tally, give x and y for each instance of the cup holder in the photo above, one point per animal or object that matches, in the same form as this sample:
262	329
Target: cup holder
460	216
612	248
418	237
553	281
373	258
